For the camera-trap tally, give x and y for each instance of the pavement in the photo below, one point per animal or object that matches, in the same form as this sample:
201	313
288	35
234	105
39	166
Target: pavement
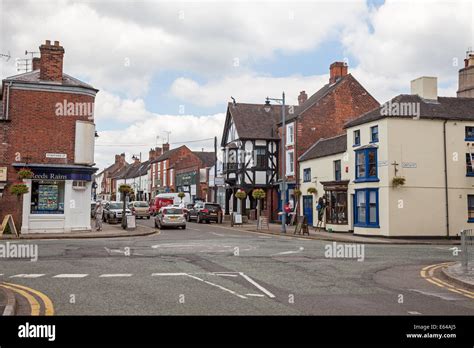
345	237
456	274
211	269
108	231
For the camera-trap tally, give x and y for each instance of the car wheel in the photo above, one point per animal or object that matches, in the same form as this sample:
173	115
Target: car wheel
148	217
184	227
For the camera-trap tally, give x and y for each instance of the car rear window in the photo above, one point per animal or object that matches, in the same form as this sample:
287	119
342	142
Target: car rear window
173	211
141	204
213	207
116	206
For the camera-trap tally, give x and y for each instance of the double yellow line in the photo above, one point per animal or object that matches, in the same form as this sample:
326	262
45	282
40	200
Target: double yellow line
33	297
428	274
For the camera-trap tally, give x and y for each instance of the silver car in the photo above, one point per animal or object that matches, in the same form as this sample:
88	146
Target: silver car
113	212
170	217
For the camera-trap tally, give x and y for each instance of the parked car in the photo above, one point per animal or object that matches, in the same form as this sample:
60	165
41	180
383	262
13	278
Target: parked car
186	209
170	217
204	211
140	209
113	212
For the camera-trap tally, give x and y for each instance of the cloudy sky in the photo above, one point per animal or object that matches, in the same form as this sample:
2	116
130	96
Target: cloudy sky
164	66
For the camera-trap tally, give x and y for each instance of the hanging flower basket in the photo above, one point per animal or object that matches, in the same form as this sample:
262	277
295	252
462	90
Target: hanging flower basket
258	194
241	194
181	195
312	190
297	192
125	189
25	173
398	181
18	189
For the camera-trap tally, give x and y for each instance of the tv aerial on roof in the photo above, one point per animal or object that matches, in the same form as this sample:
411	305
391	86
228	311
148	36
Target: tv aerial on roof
7	56
31	52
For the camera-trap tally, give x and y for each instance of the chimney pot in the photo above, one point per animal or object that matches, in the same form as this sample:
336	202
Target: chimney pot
336	71
302	97
36	63
56	43
166	147
51	63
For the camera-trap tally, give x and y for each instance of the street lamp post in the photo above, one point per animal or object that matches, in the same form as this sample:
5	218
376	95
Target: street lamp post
282	156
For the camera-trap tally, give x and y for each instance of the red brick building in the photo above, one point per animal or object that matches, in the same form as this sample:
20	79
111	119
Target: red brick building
323	115
191	173
46	125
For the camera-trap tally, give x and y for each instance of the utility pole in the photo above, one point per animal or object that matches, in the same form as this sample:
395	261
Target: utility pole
215	169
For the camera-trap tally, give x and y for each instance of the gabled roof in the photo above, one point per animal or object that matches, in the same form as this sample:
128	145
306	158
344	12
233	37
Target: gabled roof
33	77
444	108
206	157
252	121
316	97
326	147
167	154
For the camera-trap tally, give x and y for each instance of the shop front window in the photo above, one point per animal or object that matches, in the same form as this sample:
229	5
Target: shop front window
47	197
336	209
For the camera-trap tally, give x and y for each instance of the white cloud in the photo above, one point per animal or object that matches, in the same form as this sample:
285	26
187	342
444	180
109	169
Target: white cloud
140	136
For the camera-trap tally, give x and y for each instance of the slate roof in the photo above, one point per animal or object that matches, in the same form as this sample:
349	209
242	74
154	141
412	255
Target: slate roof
316	97
253	122
34	78
167	154
326	147
444	108
206	157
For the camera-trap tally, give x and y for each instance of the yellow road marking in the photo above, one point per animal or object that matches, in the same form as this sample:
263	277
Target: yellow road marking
427	273
48	304
34	304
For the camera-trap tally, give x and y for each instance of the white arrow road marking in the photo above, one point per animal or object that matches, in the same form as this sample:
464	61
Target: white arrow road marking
109	251
255	295
258	286
27	276
225	275
218	286
217	234
444	296
70	275
115	275
290	252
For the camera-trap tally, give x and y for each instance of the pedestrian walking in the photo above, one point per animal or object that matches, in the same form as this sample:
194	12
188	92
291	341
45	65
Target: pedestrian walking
99	211
287	209
320	208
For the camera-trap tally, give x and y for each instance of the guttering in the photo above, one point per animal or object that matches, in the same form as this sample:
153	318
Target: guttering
446	179
8	99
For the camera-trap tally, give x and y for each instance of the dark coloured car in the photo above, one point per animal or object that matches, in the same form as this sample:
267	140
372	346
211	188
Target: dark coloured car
205	212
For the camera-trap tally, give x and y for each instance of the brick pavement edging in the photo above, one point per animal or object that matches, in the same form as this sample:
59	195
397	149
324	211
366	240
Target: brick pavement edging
10	307
448	276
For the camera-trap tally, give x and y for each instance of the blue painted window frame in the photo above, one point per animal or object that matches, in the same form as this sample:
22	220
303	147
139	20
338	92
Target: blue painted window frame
366	177
469	165
367	222
307	175
470	209
466	137
356	137
374	134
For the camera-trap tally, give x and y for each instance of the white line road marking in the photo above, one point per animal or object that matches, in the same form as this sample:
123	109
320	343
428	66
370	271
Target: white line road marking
193	229
70	275
167	274
255	295
171	245
444	296
225	275
258	286
115	275
414	313
218	286
290	252
217	234
27	276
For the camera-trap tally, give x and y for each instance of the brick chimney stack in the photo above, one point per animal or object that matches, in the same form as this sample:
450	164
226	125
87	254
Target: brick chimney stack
336	71
466	78
302	97
51	63
36	63
166	147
